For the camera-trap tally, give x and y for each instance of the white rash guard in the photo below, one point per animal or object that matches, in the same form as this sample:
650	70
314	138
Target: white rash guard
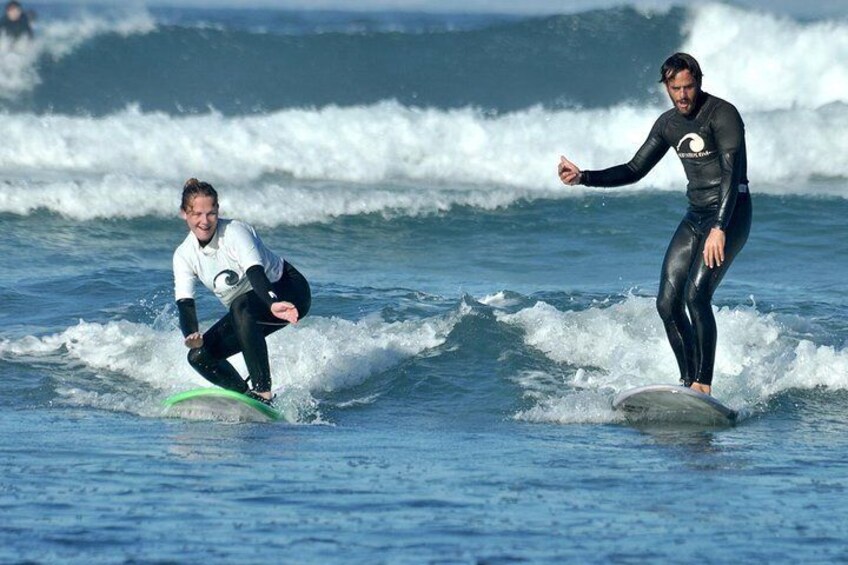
222	263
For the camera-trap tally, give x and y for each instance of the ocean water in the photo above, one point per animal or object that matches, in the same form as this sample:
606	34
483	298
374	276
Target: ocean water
448	397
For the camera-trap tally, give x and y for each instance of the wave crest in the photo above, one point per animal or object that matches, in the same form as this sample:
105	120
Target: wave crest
372	159
612	347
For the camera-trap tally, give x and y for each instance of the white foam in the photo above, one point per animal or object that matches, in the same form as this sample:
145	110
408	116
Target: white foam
612	347
85	199
319	355
370	159
500	300
17	67
363	144
762	61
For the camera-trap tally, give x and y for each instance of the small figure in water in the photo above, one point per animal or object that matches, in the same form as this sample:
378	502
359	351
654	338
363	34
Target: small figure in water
15	23
709	137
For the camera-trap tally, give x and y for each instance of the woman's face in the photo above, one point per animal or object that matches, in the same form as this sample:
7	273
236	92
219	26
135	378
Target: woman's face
202	218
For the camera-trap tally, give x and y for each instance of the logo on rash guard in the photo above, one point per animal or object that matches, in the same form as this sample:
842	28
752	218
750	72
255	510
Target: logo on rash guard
696	147
231	278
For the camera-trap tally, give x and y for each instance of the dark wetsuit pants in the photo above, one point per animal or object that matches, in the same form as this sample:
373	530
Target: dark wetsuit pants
687	283
243	330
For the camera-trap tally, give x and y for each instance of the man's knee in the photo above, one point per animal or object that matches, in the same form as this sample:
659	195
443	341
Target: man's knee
697	299
667	305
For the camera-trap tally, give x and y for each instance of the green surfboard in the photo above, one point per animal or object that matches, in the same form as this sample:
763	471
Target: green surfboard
219	403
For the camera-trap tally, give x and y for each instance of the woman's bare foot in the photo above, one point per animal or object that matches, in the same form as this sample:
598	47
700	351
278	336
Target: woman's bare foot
264	397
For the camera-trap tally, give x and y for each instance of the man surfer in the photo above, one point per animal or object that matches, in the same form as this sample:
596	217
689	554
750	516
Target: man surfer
709	137
230	260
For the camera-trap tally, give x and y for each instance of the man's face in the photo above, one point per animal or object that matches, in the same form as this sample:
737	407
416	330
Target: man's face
202	218
683	90
13	13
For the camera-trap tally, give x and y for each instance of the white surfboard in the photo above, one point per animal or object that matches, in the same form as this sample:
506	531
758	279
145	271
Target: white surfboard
672	404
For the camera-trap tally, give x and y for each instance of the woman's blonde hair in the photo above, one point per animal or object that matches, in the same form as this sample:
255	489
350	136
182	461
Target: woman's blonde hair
194	188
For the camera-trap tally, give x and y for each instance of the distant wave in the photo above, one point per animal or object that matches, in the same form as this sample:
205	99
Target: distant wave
84	167
98	65
503	67
331	157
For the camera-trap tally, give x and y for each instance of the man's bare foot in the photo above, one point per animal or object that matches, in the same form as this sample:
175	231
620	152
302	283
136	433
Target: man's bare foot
698	387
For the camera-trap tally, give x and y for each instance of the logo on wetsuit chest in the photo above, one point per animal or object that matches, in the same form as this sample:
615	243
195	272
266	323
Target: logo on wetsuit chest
695	147
231	278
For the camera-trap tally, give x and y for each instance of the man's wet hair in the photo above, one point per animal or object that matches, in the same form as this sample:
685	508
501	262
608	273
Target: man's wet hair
680	62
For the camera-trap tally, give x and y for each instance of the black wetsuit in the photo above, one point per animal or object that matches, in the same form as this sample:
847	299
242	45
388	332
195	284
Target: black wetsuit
16	28
710	142
244	328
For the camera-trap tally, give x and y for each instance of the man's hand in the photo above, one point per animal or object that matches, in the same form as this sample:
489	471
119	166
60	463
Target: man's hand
285	311
195	340
568	172
714	248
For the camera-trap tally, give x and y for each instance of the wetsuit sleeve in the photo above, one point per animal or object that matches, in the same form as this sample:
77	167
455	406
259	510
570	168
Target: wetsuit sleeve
188	316
730	139
261	285
645	159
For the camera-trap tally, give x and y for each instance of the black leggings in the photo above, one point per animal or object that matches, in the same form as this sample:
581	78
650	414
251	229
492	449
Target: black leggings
243	330
687	283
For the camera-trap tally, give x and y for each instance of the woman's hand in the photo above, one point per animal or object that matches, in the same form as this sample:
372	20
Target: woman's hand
714	248
285	311
195	340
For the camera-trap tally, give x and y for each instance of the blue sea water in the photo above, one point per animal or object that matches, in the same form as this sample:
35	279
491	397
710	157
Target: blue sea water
448	397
